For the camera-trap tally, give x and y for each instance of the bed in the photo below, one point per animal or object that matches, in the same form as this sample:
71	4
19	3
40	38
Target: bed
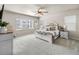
48	34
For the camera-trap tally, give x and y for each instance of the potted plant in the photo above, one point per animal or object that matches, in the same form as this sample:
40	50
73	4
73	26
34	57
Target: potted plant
3	25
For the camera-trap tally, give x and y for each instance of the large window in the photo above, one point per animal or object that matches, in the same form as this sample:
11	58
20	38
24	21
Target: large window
70	22
24	24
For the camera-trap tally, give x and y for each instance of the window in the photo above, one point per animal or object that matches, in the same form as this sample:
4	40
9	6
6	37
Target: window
24	24
70	22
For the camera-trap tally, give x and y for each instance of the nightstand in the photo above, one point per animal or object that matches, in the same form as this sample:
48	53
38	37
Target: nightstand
64	34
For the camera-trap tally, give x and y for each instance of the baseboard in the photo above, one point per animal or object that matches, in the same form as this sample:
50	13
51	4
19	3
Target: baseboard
74	38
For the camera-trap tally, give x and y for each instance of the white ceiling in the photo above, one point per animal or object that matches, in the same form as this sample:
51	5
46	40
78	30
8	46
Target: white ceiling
60	8
32	8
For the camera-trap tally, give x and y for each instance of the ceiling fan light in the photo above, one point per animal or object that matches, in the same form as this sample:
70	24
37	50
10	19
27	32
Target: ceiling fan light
42	10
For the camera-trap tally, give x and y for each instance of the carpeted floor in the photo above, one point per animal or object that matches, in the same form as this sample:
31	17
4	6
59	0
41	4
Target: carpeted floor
29	45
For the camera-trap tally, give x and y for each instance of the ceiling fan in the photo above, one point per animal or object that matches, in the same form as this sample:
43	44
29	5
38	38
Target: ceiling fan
41	11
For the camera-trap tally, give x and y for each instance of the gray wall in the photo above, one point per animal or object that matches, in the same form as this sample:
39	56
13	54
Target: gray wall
11	18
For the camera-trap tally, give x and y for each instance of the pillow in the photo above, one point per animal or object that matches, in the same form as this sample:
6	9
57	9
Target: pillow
52	28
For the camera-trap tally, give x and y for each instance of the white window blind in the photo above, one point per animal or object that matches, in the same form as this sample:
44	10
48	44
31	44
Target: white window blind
70	22
24	24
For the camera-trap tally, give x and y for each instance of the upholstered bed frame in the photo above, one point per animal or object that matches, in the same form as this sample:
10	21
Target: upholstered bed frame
49	34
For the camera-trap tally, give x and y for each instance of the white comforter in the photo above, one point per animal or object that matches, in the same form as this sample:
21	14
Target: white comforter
54	33
47	35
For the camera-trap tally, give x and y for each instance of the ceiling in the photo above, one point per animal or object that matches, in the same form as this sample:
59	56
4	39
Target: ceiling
32	8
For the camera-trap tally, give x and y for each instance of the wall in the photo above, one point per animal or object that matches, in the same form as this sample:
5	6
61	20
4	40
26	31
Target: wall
11	18
59	18
52	18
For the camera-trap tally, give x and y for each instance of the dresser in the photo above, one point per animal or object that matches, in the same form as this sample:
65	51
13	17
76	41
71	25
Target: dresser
64	34
6	43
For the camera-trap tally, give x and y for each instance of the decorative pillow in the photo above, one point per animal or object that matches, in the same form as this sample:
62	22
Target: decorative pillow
52	28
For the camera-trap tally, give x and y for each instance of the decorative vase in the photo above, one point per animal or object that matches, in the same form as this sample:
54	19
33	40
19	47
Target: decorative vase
3	30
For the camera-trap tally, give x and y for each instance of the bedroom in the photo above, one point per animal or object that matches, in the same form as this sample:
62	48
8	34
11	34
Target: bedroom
34	26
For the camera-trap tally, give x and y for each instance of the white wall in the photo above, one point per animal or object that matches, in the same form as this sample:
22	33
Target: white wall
52	18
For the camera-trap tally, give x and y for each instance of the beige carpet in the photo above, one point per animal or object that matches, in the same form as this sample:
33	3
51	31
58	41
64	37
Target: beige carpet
29	45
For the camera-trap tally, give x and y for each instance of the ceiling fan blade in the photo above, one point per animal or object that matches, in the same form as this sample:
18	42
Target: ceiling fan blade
42	10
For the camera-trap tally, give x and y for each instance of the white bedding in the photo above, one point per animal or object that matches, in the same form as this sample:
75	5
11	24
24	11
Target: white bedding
47	35
54	32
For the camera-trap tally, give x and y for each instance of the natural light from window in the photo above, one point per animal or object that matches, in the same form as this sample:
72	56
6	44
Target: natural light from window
22	24
70	22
